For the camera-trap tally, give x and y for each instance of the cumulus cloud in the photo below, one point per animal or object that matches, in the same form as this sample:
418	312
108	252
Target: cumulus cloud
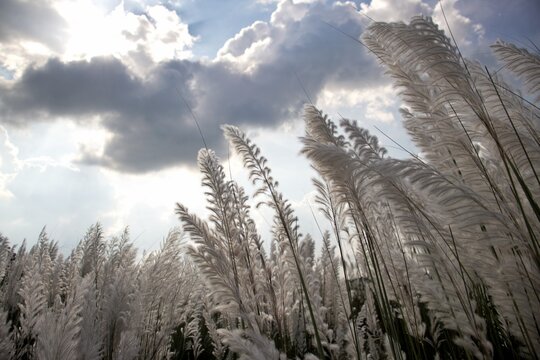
153	34
150	126
376	104
395	10
466	32
31	32
259	78
463	29
31	20
144	116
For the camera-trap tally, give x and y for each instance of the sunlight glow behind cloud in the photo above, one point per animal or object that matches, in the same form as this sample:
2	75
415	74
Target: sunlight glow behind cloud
156	35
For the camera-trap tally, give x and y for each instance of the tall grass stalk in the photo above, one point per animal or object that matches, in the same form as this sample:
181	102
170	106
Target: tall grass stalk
259	172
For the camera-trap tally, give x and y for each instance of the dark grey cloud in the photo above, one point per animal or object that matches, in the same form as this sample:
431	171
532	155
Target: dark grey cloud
71	89
150	124
146	117
35	20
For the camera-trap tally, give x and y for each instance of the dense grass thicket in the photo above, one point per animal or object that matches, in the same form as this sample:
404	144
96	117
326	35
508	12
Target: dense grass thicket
435	256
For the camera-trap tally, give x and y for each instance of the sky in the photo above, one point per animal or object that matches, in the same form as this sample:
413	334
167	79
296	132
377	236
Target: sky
97	96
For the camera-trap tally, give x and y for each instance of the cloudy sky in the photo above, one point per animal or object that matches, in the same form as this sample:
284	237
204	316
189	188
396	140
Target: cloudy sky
95	97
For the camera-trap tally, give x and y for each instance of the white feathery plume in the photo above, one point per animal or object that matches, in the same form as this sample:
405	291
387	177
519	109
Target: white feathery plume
285	220
59	327
250	345
520	61
7	346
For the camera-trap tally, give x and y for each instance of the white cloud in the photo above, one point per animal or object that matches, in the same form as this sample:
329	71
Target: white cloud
266	2
260	42
292	26
245	48
88	30
138	39
464	30
30	31
289	11
375	104
16	56
395	10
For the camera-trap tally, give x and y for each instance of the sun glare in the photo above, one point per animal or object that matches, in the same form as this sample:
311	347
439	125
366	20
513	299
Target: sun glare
157	33
93	32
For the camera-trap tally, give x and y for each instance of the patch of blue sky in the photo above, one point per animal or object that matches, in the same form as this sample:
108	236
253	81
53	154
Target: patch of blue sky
6	73
216	21
213	21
